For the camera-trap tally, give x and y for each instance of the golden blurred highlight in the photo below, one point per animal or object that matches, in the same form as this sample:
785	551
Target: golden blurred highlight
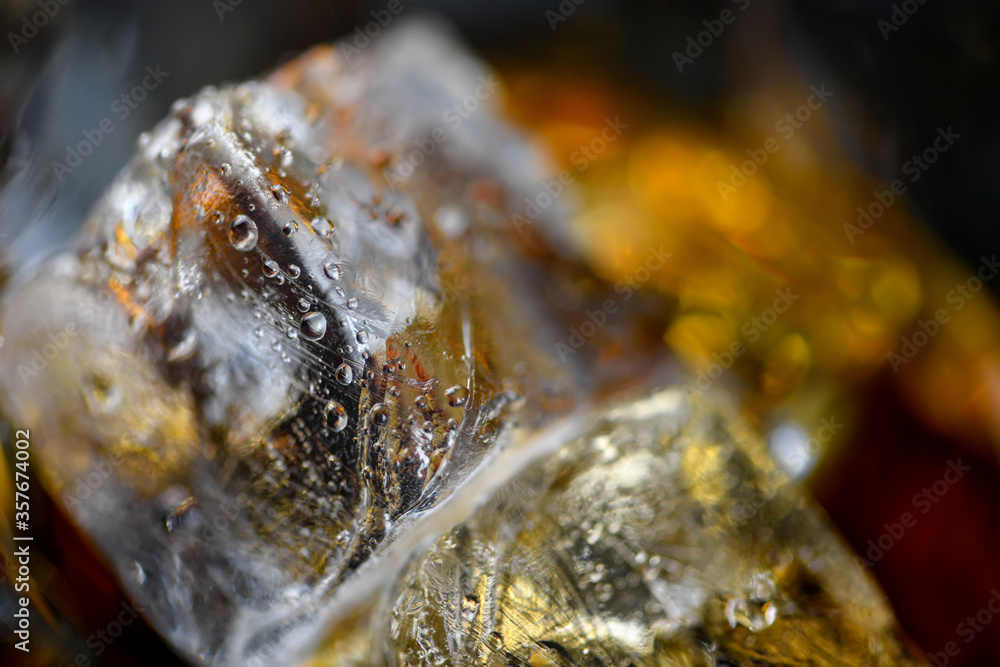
740	229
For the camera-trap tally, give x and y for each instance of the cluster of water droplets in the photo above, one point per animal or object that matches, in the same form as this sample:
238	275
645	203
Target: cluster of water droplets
755	607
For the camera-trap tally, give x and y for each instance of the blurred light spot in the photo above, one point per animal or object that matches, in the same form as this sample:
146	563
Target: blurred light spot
897	292
789	444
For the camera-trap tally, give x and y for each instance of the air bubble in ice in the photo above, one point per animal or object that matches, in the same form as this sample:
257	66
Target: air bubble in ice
457	396
344	374
243	233
313	326
332	271
322	226
379	415
336	416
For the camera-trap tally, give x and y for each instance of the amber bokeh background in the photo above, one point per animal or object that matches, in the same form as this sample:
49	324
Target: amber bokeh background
655	184
827	356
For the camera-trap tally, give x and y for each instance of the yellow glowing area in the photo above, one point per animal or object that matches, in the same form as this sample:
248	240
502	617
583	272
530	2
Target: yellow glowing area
754	209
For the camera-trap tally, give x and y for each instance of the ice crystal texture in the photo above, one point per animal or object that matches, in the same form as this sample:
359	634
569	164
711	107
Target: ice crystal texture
306	392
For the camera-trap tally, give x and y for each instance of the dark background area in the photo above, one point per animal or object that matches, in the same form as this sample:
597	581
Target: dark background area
941	69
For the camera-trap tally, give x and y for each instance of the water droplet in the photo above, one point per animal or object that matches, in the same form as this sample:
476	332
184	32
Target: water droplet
352	303
332	271
270	268
322	226
754	608
225	168
379	415
280	193
290	228
303	305
313	326
362	336
243	233
294	271
457	396
344	374
291	332
218	218
336	416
